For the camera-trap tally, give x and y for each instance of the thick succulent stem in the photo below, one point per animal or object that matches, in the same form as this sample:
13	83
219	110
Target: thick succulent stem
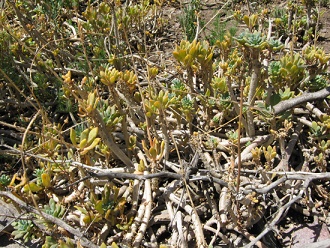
306	97
252	91
165	133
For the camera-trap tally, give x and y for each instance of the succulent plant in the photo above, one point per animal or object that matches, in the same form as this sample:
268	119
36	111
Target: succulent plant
4	180
288	71
88	139
253	40
24	229
275	45
156	151
110	114
111	207
54	209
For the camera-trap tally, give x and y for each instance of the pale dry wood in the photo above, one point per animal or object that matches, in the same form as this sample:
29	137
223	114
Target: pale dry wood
305	97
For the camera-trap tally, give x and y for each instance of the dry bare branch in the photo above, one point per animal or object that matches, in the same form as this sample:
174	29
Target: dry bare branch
305	97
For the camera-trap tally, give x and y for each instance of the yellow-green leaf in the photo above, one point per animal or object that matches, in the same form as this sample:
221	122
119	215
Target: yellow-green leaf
82	210
73	136
92	135
114	245
98	207
193	50
162	148
91	146
46	180
87	219
33	187
141	166
84	134
246	20
108	214
188	60
157	104
83	143
91	99
153	153
103	245
96	103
